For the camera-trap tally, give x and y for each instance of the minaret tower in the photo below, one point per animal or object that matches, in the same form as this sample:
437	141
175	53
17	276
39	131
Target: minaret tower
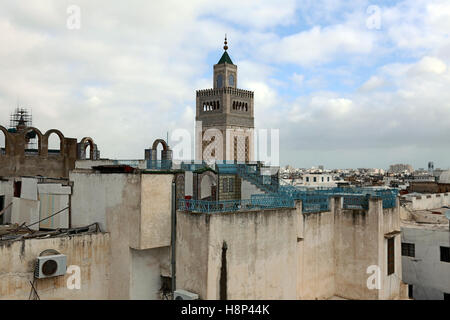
227	109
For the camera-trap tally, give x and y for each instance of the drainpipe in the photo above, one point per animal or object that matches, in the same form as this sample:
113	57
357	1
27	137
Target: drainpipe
173	236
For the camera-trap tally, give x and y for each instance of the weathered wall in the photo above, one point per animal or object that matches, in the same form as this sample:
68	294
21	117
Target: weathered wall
16	163
192	248
287	254
135	209
112	200
261	254
391	285
429	201
428	275
89	252
146	270
316	256
155	211
360	243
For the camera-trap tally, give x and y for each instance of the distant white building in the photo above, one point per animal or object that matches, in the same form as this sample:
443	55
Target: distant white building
426	246
319	180
401	168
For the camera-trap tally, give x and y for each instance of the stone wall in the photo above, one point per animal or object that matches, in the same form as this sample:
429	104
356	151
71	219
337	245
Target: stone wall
89	252
15	162
287	254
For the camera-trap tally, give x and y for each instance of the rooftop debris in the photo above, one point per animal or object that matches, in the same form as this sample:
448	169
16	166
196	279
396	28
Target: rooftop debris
15	232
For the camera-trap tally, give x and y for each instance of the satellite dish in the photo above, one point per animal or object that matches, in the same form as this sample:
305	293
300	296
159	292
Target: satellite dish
447	214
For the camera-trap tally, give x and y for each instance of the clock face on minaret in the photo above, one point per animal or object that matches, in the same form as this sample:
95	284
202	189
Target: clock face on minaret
225	112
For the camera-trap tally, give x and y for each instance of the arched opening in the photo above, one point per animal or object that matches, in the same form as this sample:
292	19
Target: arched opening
54	144
33	141
88	148
160	146
206	187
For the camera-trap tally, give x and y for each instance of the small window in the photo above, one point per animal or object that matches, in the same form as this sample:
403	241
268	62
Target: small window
219	81
230	185
231	81
17	188
445	254
225	185
328	179
410	291
307	179
315	179
391	256
322	179
408	249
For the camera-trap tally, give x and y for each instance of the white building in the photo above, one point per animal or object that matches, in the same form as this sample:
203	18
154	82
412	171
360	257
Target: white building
426	246
319	180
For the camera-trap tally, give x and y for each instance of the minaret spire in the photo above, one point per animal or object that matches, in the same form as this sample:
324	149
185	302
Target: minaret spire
225	47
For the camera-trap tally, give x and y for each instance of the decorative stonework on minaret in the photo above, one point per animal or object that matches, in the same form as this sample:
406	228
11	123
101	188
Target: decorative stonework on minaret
227	109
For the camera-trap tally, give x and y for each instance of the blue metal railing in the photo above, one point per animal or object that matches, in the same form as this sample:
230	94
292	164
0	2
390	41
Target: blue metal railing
203	206
253	174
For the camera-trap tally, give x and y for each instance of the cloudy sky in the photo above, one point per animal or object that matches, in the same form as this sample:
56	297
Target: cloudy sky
346	83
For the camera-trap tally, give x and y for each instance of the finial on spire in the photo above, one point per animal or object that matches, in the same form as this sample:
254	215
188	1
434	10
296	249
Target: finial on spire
225	47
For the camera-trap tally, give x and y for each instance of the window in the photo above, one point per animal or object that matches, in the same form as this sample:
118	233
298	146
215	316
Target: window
328	179
408	249
322	179
225	185
315	179
307	179
17	188
410	291
445	254
390	256
219	81
230	184
231	80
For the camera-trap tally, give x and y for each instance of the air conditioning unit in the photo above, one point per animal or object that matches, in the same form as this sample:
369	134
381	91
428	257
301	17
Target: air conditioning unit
50	266
184	295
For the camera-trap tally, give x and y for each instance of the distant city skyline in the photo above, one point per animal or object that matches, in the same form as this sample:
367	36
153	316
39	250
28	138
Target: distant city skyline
349	85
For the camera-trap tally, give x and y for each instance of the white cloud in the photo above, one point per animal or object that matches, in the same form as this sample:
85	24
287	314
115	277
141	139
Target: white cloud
375	82
319	45
298	79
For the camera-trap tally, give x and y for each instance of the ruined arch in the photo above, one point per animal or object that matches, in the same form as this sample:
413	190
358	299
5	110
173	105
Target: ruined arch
61	139
7	141
158	141
39	136
84	142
